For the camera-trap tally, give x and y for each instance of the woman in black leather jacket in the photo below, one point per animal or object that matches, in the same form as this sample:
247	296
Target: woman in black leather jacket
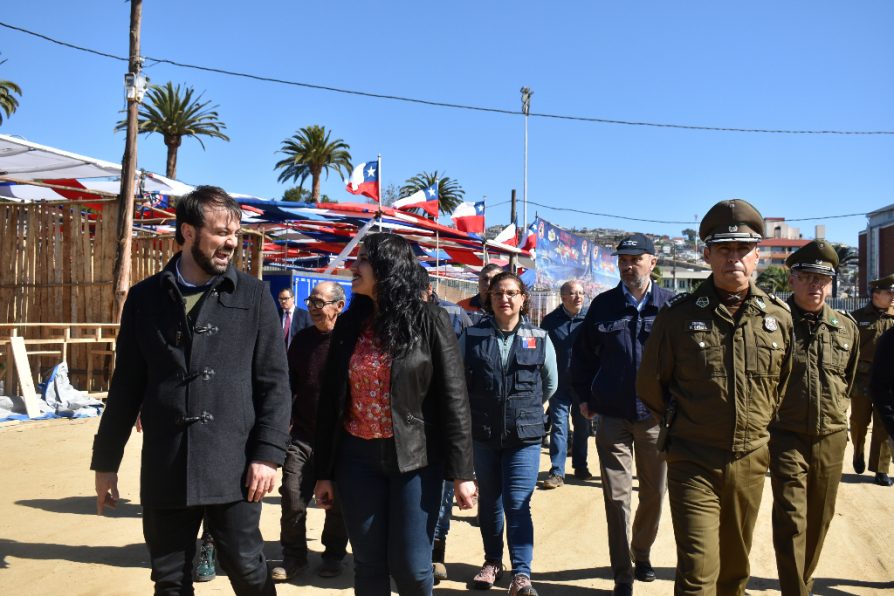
393	420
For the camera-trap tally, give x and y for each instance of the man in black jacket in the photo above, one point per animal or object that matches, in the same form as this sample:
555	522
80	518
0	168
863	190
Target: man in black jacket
201	358
604	364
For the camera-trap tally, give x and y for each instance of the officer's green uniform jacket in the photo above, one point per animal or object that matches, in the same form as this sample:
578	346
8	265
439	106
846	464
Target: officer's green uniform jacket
725	377
823	372
872	323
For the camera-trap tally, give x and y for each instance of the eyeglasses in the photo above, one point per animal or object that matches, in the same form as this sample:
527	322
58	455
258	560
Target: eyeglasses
284	298
317	303
507	293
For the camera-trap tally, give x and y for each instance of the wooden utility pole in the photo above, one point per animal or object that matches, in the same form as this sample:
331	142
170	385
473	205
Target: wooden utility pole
121	275
513	258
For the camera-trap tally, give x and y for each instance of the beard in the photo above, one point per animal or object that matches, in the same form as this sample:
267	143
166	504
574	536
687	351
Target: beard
636	282
205	262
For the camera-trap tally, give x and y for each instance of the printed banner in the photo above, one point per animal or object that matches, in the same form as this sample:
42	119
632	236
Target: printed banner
562	255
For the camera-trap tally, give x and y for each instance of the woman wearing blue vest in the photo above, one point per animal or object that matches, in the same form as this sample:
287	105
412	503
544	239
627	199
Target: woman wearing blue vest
510	373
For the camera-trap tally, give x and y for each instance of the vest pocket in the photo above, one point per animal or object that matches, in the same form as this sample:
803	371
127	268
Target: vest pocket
530	423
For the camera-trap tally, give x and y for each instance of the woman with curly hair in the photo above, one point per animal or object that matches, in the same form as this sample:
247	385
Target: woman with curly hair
511	372
393	420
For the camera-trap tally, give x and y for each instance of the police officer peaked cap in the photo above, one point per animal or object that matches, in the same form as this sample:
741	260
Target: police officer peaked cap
635	244
815	257
882	283
732	221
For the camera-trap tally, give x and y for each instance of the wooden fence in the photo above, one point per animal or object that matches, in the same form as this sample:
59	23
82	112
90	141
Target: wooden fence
56	267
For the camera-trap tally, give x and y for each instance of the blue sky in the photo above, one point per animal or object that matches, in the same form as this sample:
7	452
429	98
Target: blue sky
814	65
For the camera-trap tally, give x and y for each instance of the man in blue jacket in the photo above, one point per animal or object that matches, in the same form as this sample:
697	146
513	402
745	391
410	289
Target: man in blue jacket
604	364
563	325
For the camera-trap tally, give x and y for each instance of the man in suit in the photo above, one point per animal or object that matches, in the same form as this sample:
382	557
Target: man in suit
293	319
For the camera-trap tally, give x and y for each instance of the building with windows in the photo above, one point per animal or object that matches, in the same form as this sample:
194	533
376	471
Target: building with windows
876	246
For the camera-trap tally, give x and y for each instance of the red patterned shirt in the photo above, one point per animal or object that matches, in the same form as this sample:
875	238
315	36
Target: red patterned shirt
369	408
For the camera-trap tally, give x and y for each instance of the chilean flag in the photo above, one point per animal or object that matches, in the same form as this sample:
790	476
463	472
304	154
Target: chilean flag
426	199
508	236
364	180
531	239
469	218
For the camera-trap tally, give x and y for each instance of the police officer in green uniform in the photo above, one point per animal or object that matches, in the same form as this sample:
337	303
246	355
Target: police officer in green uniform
808	437
715	369
873	319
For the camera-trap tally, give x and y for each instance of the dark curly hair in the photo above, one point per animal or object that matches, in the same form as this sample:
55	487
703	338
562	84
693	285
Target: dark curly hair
398	290
526	305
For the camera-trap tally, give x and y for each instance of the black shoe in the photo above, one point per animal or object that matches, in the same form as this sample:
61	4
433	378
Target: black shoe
582	473
623	590
859	463
882	479
644	572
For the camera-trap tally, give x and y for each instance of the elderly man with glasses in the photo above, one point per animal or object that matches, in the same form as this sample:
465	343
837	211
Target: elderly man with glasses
307	357
808	436
563	325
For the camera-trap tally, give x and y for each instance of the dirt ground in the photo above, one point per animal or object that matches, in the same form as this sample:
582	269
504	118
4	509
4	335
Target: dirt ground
52	542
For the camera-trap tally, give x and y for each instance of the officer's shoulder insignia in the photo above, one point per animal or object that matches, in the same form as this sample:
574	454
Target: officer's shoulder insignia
703	302
760	303
848	315
677	300
779	302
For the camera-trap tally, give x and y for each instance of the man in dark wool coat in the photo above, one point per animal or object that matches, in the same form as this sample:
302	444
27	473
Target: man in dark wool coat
201	359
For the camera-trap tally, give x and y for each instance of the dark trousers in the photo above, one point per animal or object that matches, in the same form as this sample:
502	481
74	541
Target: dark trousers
171	537
390	517
297	489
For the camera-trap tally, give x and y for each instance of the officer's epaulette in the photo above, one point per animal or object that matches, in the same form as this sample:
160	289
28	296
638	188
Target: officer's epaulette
677	300
779	302
848	315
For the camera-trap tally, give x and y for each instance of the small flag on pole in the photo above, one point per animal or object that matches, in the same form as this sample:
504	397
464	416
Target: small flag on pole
364	180
426	199
469	217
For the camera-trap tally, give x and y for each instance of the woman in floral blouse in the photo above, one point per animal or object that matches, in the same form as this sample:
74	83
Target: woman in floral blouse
393	420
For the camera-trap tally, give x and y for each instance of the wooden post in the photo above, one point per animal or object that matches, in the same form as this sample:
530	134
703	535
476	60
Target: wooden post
121	277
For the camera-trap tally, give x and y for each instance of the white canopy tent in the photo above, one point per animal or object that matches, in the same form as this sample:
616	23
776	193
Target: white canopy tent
22	161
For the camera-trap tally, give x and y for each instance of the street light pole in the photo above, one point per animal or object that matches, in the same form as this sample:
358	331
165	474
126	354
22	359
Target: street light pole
526	94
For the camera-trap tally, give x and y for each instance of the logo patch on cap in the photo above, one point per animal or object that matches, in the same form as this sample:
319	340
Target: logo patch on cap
733	228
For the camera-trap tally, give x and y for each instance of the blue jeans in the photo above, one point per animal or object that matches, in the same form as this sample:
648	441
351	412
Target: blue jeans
559	407
445	512
390	517
506	480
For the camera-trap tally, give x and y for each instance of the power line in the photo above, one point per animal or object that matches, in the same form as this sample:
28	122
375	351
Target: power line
442	104
662	221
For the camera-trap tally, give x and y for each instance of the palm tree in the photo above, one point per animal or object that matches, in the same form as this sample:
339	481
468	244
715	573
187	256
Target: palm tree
310	152
450	193
8	102
175	113
847	255
773	279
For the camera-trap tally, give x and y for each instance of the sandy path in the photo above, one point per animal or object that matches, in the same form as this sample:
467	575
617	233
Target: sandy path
51	541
